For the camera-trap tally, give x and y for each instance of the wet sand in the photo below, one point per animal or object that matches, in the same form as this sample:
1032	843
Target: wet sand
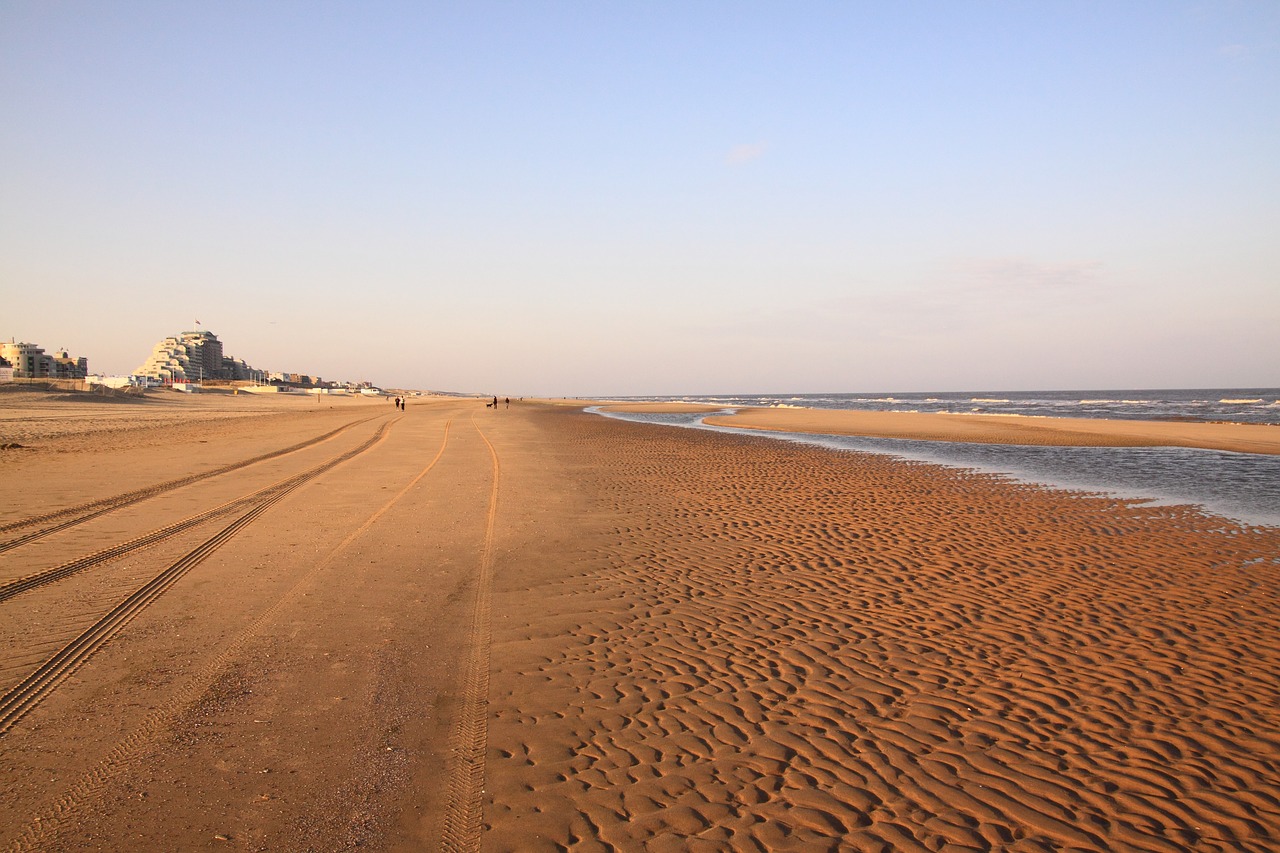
538	629
989	429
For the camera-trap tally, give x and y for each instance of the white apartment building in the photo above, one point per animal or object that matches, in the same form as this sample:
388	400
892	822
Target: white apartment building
192	357
30	361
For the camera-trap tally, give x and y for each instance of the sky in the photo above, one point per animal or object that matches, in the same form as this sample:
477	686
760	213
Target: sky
626	198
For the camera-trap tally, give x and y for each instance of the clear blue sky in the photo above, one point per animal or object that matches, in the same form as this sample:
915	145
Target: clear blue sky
586	198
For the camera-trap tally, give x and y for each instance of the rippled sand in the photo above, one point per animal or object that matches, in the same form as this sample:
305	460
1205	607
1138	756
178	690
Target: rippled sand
782	648
692	641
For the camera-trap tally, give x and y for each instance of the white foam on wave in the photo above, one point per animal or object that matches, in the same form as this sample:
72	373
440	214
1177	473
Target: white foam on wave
987	400
1241	402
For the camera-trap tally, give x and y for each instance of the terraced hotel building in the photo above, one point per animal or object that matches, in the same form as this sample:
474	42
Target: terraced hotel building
193	357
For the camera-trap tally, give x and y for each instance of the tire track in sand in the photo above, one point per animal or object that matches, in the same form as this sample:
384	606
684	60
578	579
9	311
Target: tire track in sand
94	509
28	693
42	830
463	809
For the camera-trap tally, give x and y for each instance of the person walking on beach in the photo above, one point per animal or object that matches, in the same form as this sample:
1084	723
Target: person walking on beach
495	403
508	402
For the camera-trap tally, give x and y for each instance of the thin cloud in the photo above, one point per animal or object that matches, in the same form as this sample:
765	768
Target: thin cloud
745	153
967	293
1020	275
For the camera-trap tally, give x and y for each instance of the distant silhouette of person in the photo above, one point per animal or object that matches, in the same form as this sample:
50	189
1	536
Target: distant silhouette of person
495	402
508	402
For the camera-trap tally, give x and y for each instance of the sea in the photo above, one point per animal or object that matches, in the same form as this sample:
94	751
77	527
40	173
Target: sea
1242	487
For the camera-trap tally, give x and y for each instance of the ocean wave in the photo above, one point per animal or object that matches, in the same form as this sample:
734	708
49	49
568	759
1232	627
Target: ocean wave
1252	405
785	406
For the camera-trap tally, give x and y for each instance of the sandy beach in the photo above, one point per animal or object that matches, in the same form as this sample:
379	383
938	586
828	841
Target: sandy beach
988	429
301	624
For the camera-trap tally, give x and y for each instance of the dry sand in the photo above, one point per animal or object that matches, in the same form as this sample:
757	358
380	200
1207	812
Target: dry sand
537	629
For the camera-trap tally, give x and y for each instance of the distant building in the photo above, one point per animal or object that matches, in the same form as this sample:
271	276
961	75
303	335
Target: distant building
67	367
110	381
239	370
122	381
192	357
300	379
29	361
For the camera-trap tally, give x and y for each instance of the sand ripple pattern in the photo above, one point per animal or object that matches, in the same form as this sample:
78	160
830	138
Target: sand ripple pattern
792	649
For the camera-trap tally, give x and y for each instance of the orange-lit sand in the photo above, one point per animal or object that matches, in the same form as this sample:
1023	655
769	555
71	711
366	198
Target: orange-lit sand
538	629
782	648
999	429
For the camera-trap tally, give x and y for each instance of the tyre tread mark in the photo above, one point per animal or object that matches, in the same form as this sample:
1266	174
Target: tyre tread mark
101	507
464	808
29	582
43	830
35	687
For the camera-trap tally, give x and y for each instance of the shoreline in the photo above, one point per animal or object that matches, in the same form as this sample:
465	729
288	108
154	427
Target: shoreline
676	636
985	428
792	648
1218	478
